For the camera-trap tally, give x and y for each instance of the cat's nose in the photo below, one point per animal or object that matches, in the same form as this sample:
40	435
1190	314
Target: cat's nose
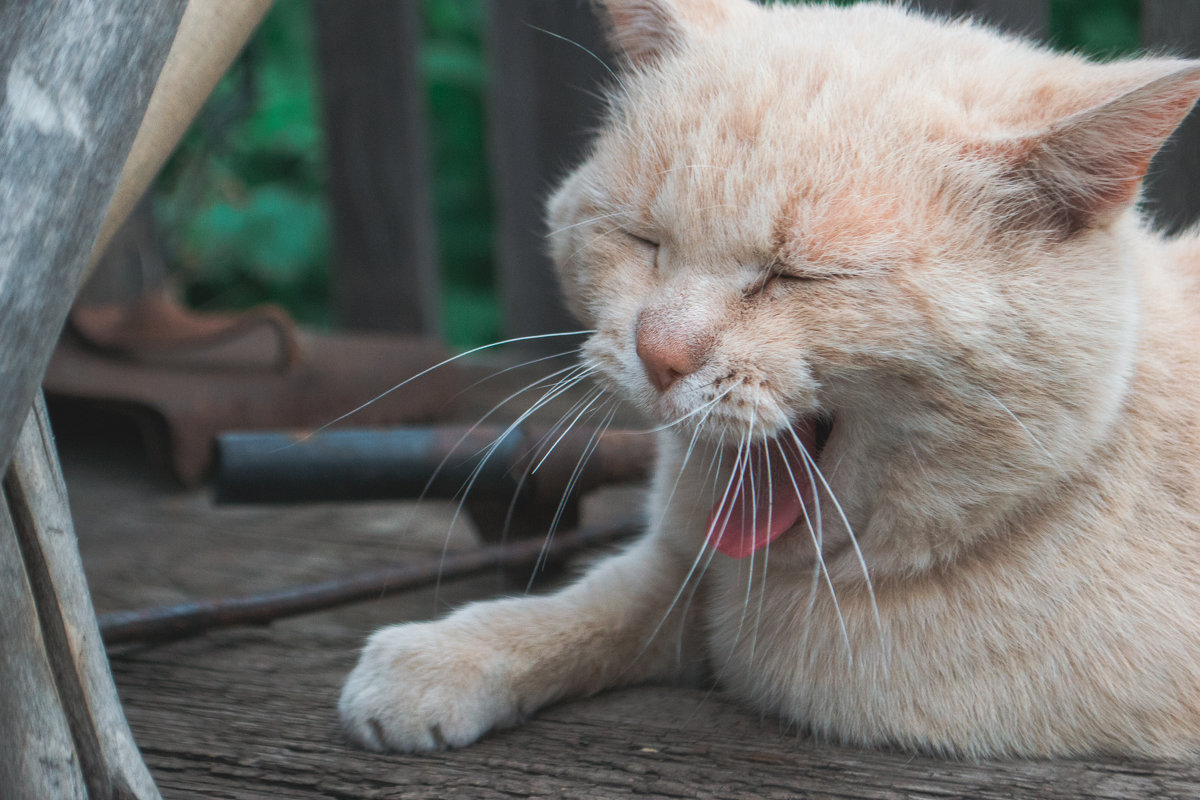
666	358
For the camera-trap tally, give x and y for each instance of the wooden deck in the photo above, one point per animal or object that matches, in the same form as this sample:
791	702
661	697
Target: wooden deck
250	712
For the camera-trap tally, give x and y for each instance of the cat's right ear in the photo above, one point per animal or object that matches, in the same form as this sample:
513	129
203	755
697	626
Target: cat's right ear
643	31
1087	168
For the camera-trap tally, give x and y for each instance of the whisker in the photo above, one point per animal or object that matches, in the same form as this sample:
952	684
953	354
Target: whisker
818	546
1028	432
599	392
600	60
428	370
578	373
590	448
594	393
862	562
744	446
704	408
587	221
523	364
466	434
753	527
682	468
762	592
704	549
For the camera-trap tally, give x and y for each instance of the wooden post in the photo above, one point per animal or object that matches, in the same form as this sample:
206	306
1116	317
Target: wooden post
542	107
385	266
1172	187
62	689
38	758
77	78
1030	17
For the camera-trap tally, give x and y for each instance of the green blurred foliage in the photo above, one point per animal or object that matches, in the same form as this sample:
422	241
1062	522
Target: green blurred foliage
242	204
1102	28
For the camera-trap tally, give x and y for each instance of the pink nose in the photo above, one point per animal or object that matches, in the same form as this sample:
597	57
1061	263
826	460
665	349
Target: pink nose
666	357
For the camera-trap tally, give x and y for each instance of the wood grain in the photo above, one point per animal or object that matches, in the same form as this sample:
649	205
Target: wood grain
250	714
29	707
77	80
67	629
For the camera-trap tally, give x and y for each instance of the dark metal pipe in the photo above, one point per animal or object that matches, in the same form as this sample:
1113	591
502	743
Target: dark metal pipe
407	462
188	619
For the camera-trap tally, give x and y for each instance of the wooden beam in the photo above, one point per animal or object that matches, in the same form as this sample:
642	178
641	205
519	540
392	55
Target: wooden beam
77	78
1173	182
385	266
545	58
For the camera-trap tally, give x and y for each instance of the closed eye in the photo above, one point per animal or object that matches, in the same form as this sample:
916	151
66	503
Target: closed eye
774	279
651	245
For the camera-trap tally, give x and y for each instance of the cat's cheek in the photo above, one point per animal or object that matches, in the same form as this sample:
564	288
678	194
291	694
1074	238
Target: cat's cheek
425	686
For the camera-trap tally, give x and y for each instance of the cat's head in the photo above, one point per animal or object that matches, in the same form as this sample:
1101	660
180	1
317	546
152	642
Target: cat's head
803	213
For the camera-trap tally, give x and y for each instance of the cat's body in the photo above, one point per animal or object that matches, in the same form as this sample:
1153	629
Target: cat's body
910	248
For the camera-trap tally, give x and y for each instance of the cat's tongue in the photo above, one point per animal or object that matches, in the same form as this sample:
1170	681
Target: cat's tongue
765	502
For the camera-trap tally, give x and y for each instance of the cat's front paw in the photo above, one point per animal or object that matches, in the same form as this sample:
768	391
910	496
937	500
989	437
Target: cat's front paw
426	686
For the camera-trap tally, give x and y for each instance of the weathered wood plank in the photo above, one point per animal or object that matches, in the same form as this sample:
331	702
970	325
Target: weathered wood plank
385	270
546	60
1030	17
250	714
37	497
1172	185
43	764
77	78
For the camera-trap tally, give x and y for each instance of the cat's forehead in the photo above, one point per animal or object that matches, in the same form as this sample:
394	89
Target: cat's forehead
826	77
827	124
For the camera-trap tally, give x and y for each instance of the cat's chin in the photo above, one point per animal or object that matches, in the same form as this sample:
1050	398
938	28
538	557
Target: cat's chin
771	488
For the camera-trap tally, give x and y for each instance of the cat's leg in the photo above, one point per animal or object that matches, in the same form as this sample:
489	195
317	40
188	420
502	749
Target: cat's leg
428	685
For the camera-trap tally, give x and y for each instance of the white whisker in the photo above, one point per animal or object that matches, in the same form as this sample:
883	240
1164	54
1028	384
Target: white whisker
707	407
862	562
600	60
590	448
428	370
818	547
587	221
1028	432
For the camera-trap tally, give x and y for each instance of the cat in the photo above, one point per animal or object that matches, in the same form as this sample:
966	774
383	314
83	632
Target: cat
929	472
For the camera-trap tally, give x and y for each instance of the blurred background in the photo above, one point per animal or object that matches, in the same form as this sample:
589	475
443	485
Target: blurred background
243	209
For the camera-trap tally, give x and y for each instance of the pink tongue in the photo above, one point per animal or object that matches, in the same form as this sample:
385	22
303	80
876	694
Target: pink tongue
766	502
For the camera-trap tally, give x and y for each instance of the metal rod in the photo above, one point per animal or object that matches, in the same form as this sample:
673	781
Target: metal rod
188	619
386	463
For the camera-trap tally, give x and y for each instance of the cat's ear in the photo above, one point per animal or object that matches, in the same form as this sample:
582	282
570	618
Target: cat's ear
643	31
1087	168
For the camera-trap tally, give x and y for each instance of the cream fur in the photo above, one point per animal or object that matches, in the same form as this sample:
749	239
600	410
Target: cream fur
927	231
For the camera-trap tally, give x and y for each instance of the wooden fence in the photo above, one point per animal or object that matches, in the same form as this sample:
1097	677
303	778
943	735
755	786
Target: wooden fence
540	109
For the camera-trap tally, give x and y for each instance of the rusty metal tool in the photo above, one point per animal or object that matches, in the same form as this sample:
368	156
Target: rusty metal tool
189	619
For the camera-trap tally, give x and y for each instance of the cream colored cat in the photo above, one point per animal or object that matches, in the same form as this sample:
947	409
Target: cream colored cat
887	275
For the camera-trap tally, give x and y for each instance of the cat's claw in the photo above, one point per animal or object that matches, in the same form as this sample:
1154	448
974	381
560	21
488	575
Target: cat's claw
425	686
